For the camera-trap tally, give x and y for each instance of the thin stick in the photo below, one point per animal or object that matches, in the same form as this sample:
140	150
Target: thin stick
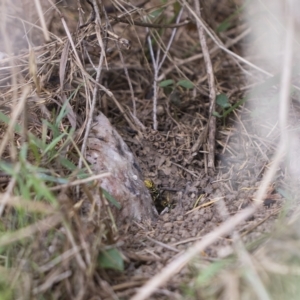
155	67
29	231
125	71
251	273
80	181
157	64
220	44
6	197
13	121
176	265
95	90
42	19
212	90
151	25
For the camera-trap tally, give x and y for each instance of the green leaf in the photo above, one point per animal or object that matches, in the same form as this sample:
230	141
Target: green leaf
64	111
36	141
35	151
223	101
52	145
216	114
7	168
185	83
111	259
284	193
67	164
50	178
165	83
229	21
111	199
24	187
54	128
5	119
176	8
224	26
209	272
154	14
41	190
23	152
233	107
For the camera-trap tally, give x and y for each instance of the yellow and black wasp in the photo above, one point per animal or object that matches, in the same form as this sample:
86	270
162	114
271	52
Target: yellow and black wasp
160	202
154	191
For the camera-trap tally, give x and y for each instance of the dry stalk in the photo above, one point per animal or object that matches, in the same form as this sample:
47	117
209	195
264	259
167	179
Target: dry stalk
182	62
126	74
56	277
95	90
42	20
13	121
79	181
210	128
219	43
6	197
251	274
157	64
29	231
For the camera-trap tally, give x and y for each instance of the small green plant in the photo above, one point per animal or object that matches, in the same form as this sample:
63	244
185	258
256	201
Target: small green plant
223	102
170	86
172	89
6	292
226	108
111	259
229	21
187	84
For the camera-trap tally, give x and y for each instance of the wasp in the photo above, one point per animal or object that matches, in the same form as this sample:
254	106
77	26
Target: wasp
160	202
154	191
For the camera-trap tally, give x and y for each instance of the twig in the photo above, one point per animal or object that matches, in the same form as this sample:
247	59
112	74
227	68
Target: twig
155	67
177	264
182	62
212	91
251	273
157	64
95	90
125	71
6	197
42	20
151	25
13	120
162	244
80	181
218	42
29	231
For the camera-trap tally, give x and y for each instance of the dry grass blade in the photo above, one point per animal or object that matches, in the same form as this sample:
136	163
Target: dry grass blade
31	206
212	91
16	113
29	231
161	278
42	19
63	64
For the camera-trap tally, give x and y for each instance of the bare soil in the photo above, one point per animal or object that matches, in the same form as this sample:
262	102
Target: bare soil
200	201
